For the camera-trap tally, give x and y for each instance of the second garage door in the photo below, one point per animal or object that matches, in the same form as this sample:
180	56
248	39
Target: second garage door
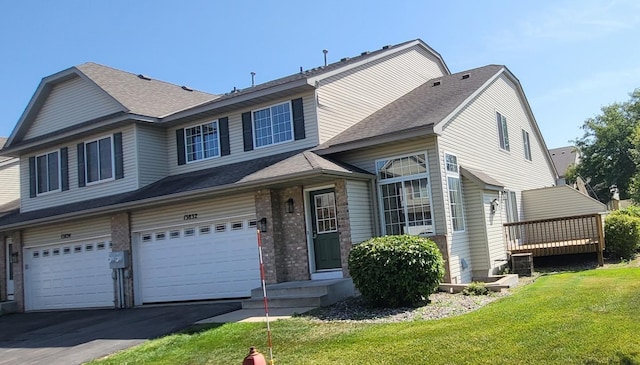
195	262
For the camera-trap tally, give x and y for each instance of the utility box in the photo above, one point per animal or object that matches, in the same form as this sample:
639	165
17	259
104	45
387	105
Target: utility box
118	259
522	264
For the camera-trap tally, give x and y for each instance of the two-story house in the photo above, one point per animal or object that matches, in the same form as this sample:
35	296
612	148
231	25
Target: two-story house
387	142
9	201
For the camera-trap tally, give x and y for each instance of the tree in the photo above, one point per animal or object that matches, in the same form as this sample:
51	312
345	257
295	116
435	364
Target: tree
608	149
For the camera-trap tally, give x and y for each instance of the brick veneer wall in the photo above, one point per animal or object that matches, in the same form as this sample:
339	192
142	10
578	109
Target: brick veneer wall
121	241
344	226
18	274
264	203
3	268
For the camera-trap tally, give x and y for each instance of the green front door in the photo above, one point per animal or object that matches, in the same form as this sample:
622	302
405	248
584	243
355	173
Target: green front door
326	244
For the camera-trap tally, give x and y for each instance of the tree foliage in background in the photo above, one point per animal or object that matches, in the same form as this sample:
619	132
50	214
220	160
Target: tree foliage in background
610	150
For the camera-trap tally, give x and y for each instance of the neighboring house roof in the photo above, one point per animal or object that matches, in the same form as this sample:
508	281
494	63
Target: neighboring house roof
419	110
10	207
562	158
241	175
3	140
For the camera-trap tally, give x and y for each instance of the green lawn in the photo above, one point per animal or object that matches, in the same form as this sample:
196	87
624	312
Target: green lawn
587	317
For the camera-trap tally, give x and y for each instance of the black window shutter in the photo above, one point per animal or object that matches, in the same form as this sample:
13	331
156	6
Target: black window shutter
118	156
223	124
182	157
64	168
298	119
247	131
32	177
81	180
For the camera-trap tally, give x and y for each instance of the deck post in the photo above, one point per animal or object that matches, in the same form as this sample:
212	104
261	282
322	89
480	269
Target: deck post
598	219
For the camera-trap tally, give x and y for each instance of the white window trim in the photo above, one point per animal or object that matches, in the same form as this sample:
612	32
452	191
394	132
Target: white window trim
186	153
380	182
526	144
253	126
502	141
113	161
455	175
59	173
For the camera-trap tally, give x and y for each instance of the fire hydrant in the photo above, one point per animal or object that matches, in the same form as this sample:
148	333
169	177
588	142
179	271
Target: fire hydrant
254	358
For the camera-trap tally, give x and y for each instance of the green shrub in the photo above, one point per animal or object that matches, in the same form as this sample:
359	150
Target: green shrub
396	271
632	210
622	234
476	288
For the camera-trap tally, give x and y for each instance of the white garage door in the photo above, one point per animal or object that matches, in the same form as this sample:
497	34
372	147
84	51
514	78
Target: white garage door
68	276
204	261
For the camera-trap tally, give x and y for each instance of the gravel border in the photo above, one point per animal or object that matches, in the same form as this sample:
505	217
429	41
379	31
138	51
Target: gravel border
441	305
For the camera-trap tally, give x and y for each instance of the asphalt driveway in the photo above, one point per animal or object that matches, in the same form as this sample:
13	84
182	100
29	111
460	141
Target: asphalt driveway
75	337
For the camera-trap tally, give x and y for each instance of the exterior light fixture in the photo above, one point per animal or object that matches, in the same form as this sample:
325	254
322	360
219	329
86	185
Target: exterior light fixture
14	257
262	225
289	206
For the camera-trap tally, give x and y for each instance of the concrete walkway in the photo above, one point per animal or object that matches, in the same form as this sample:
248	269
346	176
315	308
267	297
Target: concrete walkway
255	315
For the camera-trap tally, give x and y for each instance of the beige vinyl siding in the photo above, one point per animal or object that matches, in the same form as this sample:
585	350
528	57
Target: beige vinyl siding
360	211
238	153
349	97
495	231
79	230
75	193
151	151
69	103
472	135
9	180
207	211
474	207
365	159
558	201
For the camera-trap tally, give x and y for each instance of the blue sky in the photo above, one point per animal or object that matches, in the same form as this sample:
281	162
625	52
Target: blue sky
572	57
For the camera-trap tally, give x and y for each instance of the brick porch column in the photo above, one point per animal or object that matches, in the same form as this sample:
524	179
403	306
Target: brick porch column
344	225
18	274
3	268
265	201
121	241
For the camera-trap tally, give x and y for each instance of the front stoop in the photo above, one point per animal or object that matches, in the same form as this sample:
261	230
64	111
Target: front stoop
309	293
8	307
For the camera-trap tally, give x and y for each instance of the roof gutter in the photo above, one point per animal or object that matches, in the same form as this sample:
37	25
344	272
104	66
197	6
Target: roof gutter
420	131
215	104
226	189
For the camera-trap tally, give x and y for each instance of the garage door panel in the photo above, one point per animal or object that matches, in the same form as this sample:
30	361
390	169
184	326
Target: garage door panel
196	263
64	277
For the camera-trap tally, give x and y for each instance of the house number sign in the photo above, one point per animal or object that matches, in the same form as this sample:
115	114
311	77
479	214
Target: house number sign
190	217
65	235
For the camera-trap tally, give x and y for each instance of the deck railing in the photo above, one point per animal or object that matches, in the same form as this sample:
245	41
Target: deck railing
557	236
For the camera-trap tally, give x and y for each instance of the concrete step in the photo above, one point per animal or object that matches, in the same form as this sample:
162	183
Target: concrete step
287	301
309	293
8	307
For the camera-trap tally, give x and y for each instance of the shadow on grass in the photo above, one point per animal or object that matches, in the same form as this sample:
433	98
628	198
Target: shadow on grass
199	328
623	359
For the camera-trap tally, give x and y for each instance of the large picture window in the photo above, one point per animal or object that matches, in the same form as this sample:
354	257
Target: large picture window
273	125
99	160
48	172
405	197
202	141
455	192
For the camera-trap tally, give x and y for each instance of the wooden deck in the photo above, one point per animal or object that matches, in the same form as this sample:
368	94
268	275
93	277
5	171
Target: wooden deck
558	236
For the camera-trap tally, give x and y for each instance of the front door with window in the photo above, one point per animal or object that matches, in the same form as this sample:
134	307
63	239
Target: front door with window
326	244
9	245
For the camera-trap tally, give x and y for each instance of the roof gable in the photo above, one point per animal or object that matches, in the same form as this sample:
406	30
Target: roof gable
562	158
426	106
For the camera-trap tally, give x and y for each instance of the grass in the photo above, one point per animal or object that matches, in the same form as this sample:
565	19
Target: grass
585	317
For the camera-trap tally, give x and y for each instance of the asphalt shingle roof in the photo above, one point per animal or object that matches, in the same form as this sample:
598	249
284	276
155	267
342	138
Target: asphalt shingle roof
149	97
425	105
3	140
562	158
248	173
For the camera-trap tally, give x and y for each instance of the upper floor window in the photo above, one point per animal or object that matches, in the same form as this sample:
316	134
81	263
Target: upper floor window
99	160
455	192
48	172
202	141
405	195
503	134
526	144
273	125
